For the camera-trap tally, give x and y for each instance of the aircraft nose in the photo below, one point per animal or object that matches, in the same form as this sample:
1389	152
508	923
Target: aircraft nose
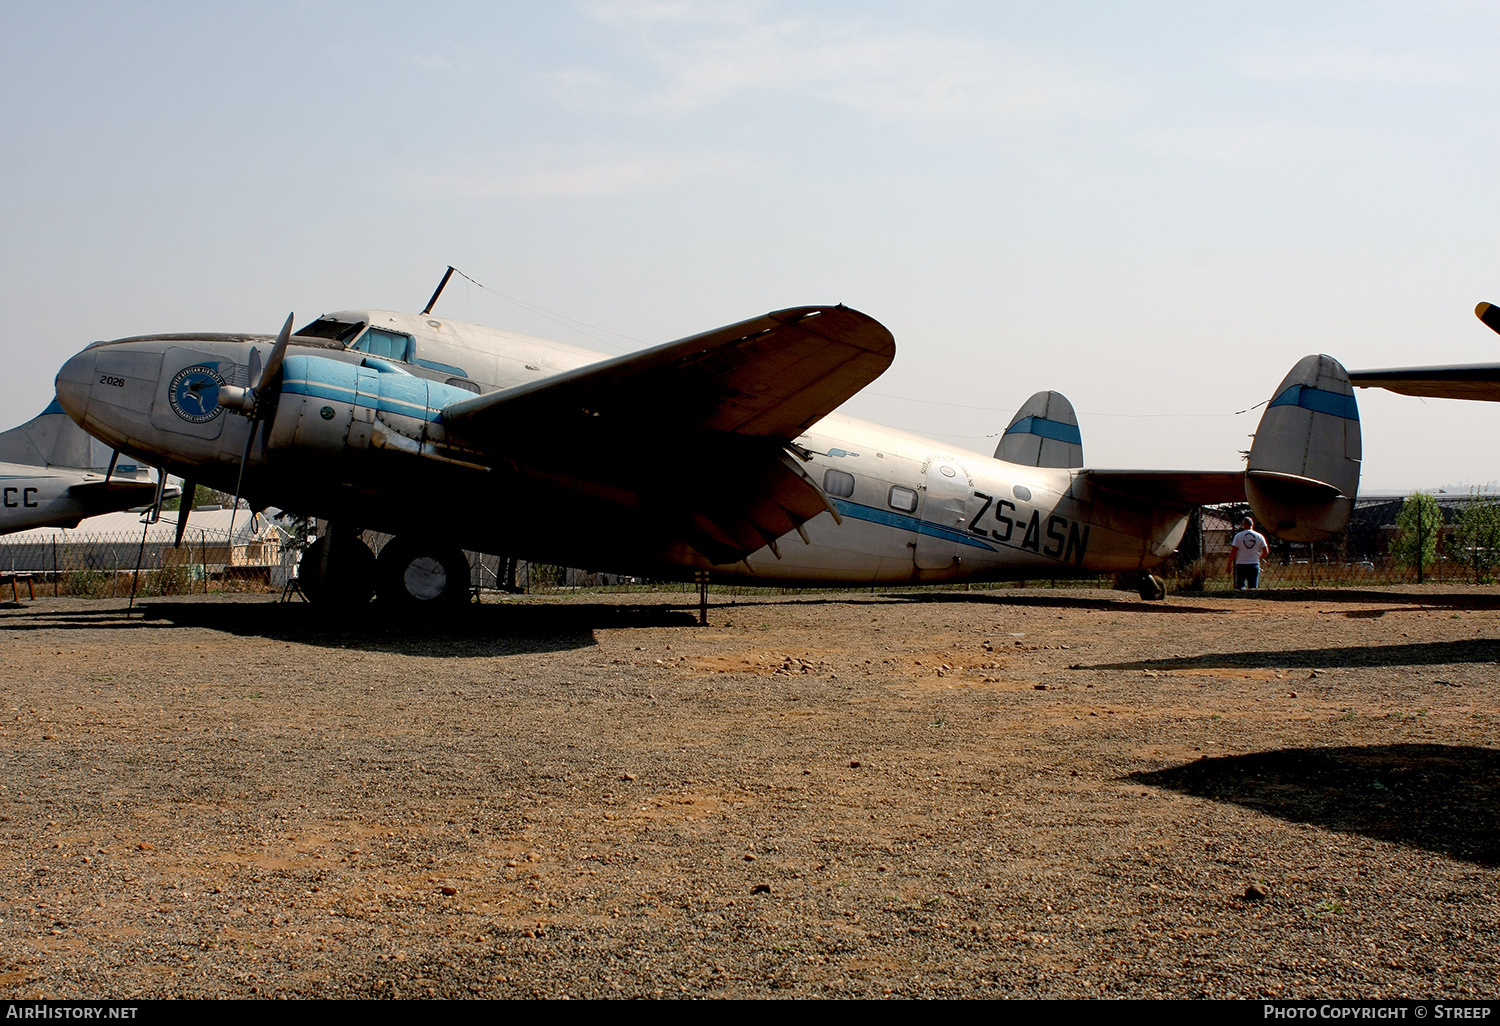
74	382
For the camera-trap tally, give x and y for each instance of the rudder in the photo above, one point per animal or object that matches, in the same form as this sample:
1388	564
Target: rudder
1043	433
1303	471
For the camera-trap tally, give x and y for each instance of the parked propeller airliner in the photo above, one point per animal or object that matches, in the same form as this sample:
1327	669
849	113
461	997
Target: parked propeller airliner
49	478
718	453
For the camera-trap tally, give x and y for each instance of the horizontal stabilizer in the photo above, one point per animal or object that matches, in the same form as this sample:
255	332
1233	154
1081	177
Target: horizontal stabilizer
1303	470
1043	433
106	497
1172	487
1312	489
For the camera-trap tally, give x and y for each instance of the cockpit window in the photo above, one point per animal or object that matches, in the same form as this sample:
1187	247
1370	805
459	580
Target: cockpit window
388	345
329	328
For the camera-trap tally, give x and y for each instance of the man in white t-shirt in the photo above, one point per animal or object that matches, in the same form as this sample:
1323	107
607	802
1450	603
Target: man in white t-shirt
1248	547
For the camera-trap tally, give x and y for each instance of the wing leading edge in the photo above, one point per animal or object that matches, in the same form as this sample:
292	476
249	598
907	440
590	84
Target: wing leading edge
771	376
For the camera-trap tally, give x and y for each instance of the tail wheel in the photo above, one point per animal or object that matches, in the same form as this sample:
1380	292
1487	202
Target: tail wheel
422	576
1153	588
342	574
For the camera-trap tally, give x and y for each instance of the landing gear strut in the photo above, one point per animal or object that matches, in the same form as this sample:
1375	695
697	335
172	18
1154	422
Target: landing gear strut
422	575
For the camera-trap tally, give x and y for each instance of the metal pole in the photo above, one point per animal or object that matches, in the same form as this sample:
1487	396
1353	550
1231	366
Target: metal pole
140	554
1421	546
441	285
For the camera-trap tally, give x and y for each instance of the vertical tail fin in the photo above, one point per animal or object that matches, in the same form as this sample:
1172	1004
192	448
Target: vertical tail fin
1043	433
50	439
1304	464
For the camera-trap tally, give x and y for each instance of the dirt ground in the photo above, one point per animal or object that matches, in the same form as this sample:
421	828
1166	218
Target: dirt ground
991	793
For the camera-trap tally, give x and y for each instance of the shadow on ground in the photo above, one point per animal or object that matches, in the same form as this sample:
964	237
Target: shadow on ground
1423	653
1442	798
1413	597
1059	600
487	630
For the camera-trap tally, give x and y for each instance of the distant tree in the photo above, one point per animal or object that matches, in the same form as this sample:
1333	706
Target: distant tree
1477	534
1418	524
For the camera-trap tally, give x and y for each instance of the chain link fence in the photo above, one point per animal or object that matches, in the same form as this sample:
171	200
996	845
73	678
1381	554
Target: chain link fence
1456	541
110	564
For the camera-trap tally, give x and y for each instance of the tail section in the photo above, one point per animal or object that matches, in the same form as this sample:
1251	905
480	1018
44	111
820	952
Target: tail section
50	439
1304	464
1043	433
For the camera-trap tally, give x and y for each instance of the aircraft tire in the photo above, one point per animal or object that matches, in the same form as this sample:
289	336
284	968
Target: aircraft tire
1153	588
422	576
347	579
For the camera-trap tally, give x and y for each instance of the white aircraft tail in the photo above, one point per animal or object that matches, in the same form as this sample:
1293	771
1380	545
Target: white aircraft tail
1304	464
50	439
1043	433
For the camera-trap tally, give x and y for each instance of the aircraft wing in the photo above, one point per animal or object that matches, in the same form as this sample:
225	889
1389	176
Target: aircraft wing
771	376
1177	487
697	428
1463	381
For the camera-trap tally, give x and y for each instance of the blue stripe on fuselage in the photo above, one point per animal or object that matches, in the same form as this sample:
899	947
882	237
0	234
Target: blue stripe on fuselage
906	522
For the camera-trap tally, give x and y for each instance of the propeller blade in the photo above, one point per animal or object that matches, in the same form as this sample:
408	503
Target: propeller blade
239	483
1489	314
189	491
278	353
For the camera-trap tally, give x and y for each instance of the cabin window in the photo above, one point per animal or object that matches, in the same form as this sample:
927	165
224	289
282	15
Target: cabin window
332	329
388	345
903	499
836	482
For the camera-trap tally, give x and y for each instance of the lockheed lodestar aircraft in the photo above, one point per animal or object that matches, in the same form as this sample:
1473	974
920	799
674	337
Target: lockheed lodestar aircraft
719	454
49	478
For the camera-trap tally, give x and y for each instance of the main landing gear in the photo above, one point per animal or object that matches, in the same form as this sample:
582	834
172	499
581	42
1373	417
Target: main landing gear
412	574
419	574
337	570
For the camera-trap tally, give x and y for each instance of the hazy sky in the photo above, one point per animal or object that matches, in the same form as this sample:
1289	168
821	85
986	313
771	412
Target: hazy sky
1153	208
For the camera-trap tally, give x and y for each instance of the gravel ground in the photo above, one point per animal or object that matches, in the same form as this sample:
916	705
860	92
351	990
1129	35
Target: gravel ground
1020	792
